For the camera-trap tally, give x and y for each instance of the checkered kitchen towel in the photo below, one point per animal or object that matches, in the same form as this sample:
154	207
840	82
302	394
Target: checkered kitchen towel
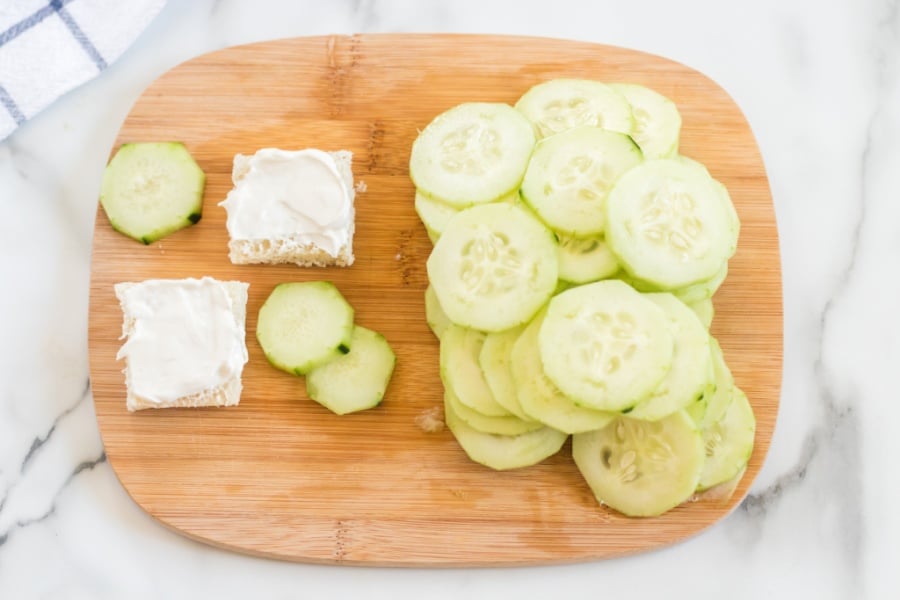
49	48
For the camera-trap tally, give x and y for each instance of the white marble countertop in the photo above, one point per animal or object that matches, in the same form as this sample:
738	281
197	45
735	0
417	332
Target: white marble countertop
820	85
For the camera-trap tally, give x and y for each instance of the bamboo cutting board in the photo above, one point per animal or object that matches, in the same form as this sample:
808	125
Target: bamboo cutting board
280	476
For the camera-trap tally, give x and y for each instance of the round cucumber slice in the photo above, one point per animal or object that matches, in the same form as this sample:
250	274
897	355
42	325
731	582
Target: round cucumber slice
717	402
471	154
605	345
570	175
502	452
641	468
152	189
668	224
434	315
657	122
704	310
539	397
434	213
562	104
494	360
493	267
689	376
703	290
582	260
304	325
460	349
508	425
729	442
357	380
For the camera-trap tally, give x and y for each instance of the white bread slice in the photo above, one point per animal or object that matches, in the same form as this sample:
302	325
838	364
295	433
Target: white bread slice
289	249
228	394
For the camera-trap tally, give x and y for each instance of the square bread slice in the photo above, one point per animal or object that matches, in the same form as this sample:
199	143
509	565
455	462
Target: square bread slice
223	393
291	248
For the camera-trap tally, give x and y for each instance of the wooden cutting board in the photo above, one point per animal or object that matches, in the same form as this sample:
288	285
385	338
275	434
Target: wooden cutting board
280	476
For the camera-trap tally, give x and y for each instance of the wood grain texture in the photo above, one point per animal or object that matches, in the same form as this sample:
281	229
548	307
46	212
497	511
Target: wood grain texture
280	476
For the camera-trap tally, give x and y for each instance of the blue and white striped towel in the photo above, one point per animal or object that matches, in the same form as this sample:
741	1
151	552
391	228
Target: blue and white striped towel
50	48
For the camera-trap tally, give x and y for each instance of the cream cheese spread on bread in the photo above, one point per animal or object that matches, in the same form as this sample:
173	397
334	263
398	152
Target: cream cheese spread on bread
298	195
183	338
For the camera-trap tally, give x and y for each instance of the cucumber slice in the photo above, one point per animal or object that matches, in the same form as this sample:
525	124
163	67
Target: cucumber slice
494	360
435	214
668	224
717	403
657	122
435	316
697	409
582	260
729	442
460	349
508	425
570	175
605	345
539	397
357	380
502	452
471	154
562	104
703	290
494	267
152	189
689	376
641	468
704	310
304	325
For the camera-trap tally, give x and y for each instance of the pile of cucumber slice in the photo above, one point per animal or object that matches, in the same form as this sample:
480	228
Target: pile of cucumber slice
307	328
576	253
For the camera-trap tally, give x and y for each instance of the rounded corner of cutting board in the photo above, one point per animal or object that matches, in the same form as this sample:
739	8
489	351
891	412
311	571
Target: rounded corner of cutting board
238	478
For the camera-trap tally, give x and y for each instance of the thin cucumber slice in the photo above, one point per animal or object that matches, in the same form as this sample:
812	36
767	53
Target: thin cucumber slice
460	349
641	468
703	290
605	345
471	154
357	380
508	425
570	175
732	211
582	260
689	376
694	164
704	310
304	325
493	267
722	492
503	452
435	214
697	409
494	360
539	397
562	104
718	401
668	224
729	442
435	316
152	189
657	122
